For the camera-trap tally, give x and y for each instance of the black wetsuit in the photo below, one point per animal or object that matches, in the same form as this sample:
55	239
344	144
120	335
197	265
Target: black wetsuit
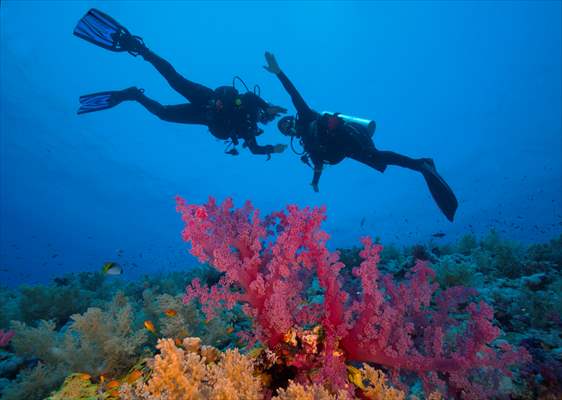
331	146
225	121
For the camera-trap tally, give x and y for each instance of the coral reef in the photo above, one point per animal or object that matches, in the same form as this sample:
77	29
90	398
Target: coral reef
34	383
88	328
267	265
96	342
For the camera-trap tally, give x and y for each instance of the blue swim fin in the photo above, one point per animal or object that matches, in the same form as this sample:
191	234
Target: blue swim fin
102	30
104	100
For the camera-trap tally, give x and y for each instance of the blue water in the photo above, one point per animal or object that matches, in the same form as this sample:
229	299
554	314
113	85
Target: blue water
476	86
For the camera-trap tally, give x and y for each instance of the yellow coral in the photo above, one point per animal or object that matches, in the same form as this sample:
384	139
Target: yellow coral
377	388
103	341
76	386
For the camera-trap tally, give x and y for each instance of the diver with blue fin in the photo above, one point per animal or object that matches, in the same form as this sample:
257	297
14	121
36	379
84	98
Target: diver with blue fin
228	114
329	138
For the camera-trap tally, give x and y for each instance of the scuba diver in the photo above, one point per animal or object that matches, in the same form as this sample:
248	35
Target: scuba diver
328	138
229	115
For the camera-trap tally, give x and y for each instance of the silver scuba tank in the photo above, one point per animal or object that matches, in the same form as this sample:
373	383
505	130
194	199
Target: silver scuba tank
368	124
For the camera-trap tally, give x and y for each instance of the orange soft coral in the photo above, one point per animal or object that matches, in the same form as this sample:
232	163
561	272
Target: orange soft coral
188	372
232	378
314	392
177	374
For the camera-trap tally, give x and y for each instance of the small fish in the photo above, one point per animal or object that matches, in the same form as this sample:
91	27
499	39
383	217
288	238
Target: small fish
229	330
178	342
354	376
362	223
112	268
170	312
149	325
102	378
438	235
133	376
112	384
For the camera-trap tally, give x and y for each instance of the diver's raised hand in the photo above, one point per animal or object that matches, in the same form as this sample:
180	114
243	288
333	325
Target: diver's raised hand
272	65
279	148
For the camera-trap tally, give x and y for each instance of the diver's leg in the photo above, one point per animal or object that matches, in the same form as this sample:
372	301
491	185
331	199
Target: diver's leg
392	158
194	92
381	159
181	113
440	191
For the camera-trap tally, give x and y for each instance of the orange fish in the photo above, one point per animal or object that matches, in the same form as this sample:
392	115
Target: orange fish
170	312
149	326
178	342
102	378
133	376
229	330
112	385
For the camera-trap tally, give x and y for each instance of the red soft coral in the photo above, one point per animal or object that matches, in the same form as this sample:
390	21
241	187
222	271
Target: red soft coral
268	266
5	337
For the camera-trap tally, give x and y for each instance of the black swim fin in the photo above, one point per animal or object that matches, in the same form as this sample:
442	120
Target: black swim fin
100	29
440	191
104	100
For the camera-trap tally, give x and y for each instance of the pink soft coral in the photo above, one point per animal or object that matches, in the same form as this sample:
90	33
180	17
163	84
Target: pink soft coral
269	263
5	337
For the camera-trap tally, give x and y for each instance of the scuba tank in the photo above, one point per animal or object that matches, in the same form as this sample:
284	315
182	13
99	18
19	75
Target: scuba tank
368	124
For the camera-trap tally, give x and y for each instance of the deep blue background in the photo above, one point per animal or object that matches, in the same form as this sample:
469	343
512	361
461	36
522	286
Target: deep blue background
474	85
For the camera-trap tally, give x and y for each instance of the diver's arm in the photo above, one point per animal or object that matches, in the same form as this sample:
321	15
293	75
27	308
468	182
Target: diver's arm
255	148
318	166
296	97
273	67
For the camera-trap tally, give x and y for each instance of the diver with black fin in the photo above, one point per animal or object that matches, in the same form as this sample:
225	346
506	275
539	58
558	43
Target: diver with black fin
329	138
228	114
